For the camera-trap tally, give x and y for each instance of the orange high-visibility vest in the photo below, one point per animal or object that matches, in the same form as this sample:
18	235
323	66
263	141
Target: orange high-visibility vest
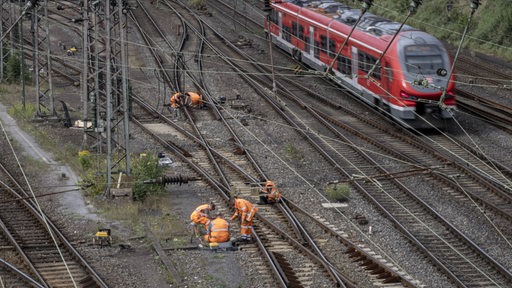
200	214
246	208
176	100
195	99
218	230
272	195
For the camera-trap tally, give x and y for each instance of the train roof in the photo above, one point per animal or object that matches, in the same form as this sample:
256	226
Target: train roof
369	23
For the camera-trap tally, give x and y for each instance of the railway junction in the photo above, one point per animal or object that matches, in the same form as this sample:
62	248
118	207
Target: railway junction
424	209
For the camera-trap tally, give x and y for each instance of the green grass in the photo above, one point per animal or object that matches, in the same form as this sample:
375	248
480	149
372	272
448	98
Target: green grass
337	192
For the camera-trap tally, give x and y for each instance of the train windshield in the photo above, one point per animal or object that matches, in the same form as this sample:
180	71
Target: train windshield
423	59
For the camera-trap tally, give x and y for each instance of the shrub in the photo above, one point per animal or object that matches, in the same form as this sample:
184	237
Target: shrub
85	159
145	168
337	192
25	114
92	183
12	69
293	152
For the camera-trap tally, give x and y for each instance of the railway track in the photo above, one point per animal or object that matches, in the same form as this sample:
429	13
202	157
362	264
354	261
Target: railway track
491	205
212	171
206	157
34	250
280	264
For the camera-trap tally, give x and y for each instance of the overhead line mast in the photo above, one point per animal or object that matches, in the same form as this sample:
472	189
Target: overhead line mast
474	5
105	94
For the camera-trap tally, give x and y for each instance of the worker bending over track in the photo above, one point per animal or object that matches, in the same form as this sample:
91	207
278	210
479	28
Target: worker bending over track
194	99
247	211
201	215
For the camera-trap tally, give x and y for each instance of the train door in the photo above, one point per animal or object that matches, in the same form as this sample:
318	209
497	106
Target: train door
355	65
311	39
386	77
280	23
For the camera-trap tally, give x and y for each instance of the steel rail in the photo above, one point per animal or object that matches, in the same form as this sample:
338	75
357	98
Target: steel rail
30	205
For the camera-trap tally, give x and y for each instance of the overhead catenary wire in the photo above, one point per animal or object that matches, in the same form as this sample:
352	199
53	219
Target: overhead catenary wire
412	10
366	5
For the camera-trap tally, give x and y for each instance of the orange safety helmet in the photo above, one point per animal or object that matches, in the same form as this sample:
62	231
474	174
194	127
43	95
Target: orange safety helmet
269	183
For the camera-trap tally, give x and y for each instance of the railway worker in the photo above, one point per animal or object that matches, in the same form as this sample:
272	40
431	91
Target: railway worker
269	194
218	230
247	211
201	215
194	99
177	100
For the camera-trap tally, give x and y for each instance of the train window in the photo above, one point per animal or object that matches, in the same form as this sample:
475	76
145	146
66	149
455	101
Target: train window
301	32
376	73
317	50
294	28
286	33
332	47
345	65
273	16
363	61
366	62
423	59
427	64
323	43
390	73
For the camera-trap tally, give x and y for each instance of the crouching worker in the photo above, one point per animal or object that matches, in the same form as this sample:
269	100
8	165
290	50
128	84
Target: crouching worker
176	101
218	230
269	194
194	99
201	216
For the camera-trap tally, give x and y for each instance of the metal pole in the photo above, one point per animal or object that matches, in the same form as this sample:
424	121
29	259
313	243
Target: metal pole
108	83
274	86
35	61
1	45
22	57
85	68
49	62
124	73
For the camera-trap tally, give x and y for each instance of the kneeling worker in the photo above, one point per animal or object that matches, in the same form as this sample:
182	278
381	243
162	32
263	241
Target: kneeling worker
269	194
218	230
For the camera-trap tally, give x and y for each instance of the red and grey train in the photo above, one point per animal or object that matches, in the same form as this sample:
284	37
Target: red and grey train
409	79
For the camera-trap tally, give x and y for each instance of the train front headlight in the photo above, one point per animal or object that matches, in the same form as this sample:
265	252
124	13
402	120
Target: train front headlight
407	96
